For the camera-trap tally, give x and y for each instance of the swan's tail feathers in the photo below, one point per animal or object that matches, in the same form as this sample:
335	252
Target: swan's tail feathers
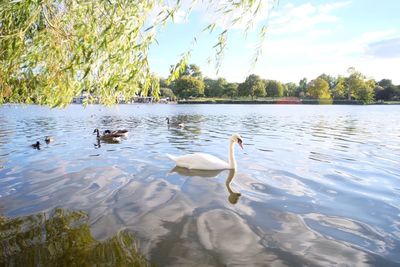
172	157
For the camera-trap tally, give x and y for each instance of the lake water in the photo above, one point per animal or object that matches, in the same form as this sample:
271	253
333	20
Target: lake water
315	185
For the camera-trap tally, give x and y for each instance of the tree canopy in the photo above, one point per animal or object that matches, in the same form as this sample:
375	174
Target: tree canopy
274	88
319	89
252	86
214	88
51	51
188	86
337	89
359	87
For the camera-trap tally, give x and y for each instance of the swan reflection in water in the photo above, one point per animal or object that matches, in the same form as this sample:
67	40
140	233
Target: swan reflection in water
233	196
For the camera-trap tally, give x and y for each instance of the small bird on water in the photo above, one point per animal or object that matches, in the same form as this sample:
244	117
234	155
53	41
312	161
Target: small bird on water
108	138
175	123
48	139
36	145
120	133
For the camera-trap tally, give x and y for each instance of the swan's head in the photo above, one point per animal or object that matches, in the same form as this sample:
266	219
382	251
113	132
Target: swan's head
237	139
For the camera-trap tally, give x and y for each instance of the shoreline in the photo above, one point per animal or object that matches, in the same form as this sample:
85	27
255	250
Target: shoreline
277	102
241	102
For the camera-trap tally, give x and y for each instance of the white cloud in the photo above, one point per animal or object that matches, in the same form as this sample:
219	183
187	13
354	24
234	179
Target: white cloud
317	33
306	40
304	17
181	16
291	59
318	49
332	6
387	48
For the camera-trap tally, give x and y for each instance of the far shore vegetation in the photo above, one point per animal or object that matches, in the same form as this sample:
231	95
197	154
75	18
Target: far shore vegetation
355	88
190	87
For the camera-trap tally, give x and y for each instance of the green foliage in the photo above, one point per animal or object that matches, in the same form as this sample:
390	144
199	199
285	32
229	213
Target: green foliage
319	89
274	88
214	88
339	89
355	81
63	239
51	51
220	88
252	86
231	90
365	94
259	89
188	86
385	83
389	93
385	90
302	88
167	92
290	89
329	79
164	84
185	70
359	88
192	70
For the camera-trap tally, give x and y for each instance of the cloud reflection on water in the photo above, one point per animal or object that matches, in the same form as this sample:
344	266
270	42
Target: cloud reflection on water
318	184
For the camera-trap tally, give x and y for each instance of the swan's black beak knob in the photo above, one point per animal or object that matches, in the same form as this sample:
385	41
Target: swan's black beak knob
240	142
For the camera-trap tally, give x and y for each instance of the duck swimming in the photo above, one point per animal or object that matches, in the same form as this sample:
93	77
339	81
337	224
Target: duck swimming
175	123
121	133
36	145
48	139
111	138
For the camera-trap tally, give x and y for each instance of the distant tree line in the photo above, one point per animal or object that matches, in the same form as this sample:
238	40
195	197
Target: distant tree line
356	86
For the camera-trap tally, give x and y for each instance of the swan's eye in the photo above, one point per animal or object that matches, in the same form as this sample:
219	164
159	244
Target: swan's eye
239	140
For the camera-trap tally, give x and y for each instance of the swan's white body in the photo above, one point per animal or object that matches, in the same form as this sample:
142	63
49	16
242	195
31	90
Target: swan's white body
200	161
203	161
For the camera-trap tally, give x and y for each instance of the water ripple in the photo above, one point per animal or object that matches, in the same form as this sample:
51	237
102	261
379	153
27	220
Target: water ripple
315	185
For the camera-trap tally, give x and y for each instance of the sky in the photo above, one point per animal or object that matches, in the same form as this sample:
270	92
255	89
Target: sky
304	39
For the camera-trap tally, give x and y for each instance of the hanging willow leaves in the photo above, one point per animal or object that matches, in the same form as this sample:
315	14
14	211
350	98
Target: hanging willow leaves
54	50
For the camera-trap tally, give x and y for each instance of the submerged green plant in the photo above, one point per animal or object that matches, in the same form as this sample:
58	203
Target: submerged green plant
53	50
63	239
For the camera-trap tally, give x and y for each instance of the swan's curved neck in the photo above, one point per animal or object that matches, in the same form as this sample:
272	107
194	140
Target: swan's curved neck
232	161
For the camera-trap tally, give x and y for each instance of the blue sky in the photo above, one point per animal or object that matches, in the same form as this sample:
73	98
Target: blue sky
304	39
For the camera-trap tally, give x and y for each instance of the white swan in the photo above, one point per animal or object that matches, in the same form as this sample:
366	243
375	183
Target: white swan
202	161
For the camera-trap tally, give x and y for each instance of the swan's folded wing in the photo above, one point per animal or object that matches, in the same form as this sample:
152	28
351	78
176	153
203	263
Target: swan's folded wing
201	161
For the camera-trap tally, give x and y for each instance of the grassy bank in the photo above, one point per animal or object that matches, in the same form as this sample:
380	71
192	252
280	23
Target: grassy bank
280	101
